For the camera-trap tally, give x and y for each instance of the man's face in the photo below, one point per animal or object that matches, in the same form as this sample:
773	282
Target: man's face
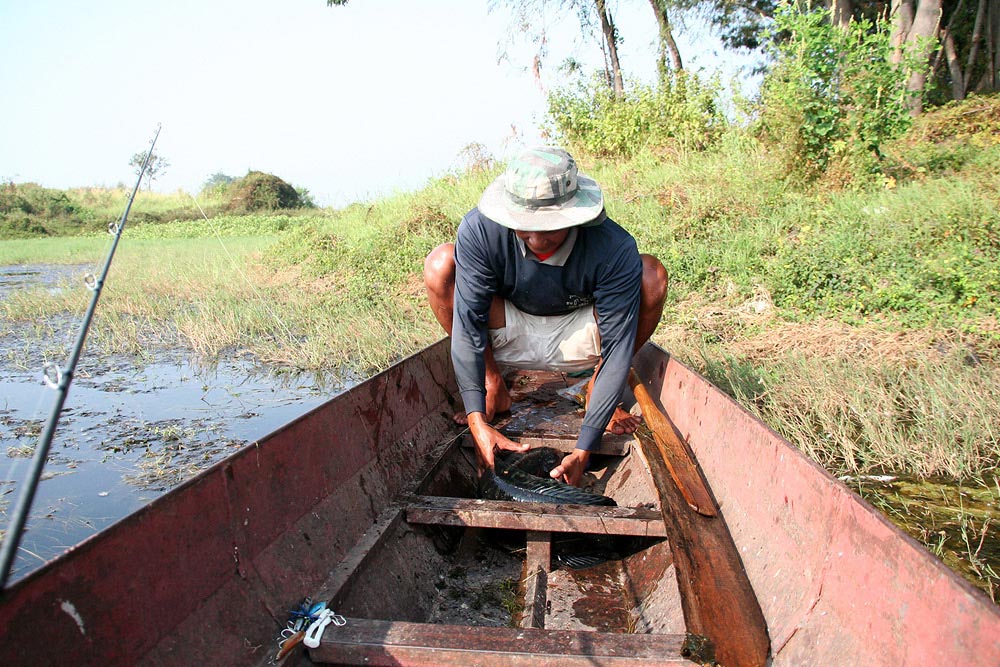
543	243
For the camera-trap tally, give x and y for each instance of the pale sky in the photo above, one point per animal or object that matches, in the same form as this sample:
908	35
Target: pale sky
349	102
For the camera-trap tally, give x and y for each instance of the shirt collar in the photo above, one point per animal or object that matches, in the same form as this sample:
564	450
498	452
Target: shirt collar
560	256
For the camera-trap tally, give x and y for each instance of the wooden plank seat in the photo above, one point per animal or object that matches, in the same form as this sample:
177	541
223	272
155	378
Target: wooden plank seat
544	517
377	642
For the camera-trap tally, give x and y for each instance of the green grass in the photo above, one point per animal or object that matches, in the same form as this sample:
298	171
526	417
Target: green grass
927	413
54	250
28	210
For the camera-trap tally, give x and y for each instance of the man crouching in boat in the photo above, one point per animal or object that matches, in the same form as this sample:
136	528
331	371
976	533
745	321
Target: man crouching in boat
541	278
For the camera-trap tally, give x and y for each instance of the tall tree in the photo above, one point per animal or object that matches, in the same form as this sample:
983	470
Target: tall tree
994	47
977	38
667	45
742	24
610	34
952	44
962	35
841	12
921	39
901	12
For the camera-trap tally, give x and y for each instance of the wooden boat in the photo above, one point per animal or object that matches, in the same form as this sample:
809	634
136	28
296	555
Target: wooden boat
367	504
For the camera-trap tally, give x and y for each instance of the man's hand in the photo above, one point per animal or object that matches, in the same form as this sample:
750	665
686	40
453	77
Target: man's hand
572	467
488	439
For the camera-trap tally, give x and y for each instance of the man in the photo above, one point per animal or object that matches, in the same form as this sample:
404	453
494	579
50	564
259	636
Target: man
540	278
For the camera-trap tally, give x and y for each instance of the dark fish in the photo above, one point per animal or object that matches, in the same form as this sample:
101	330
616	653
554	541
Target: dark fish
511	481
525	478
582	561
538	461
578	551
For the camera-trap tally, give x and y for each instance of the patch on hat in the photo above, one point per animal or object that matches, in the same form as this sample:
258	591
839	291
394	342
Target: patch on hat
541	191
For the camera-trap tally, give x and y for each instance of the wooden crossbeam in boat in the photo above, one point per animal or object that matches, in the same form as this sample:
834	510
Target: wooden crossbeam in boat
375	643
537	563
598	520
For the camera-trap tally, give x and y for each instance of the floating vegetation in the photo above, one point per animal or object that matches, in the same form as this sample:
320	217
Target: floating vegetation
20	452
175	450
957	522
28	428
140	420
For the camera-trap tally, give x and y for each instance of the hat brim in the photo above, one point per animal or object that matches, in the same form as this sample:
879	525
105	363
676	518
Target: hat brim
585	207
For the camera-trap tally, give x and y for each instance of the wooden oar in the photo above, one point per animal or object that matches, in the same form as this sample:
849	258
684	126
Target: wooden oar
716	595
675	452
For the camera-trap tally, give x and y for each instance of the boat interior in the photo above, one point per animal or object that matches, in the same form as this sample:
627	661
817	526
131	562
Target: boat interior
444	577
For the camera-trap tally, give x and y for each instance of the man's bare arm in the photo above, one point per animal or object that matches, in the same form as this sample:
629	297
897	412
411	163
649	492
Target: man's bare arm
571	469
488	439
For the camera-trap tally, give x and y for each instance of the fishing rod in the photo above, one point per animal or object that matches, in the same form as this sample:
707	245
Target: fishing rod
59	379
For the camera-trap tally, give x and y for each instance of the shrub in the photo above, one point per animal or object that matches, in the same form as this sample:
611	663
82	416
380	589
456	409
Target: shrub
682	110
28	209
258	191
833	98
949	138
922	263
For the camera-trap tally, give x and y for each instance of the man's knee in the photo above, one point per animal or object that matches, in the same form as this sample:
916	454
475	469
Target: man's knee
654	280
439	266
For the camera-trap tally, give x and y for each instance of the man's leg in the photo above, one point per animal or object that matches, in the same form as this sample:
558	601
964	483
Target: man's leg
651	299
439	279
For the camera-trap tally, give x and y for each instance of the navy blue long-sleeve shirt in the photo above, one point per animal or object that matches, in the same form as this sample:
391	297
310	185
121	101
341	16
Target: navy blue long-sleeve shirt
603	269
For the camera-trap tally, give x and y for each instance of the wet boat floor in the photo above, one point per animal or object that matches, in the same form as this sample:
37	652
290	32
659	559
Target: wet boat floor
480	586
485	584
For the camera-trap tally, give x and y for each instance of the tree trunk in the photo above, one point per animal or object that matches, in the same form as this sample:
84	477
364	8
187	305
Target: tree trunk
841	12
611	39
994	69
902	15
667	44
949	52
922	40
977	37
675	53
954	66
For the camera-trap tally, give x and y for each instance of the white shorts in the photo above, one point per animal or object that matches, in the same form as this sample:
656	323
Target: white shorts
566	343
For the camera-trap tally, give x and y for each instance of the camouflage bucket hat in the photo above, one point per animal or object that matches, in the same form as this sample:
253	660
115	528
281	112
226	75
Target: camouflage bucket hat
542	191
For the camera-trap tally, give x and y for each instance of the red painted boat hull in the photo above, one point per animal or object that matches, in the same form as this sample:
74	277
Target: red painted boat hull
837	582
205	573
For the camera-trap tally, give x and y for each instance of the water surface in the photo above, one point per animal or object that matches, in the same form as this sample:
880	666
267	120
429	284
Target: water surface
130	430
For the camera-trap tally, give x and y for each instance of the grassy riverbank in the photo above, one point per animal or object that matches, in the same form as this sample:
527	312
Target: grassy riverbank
861	324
